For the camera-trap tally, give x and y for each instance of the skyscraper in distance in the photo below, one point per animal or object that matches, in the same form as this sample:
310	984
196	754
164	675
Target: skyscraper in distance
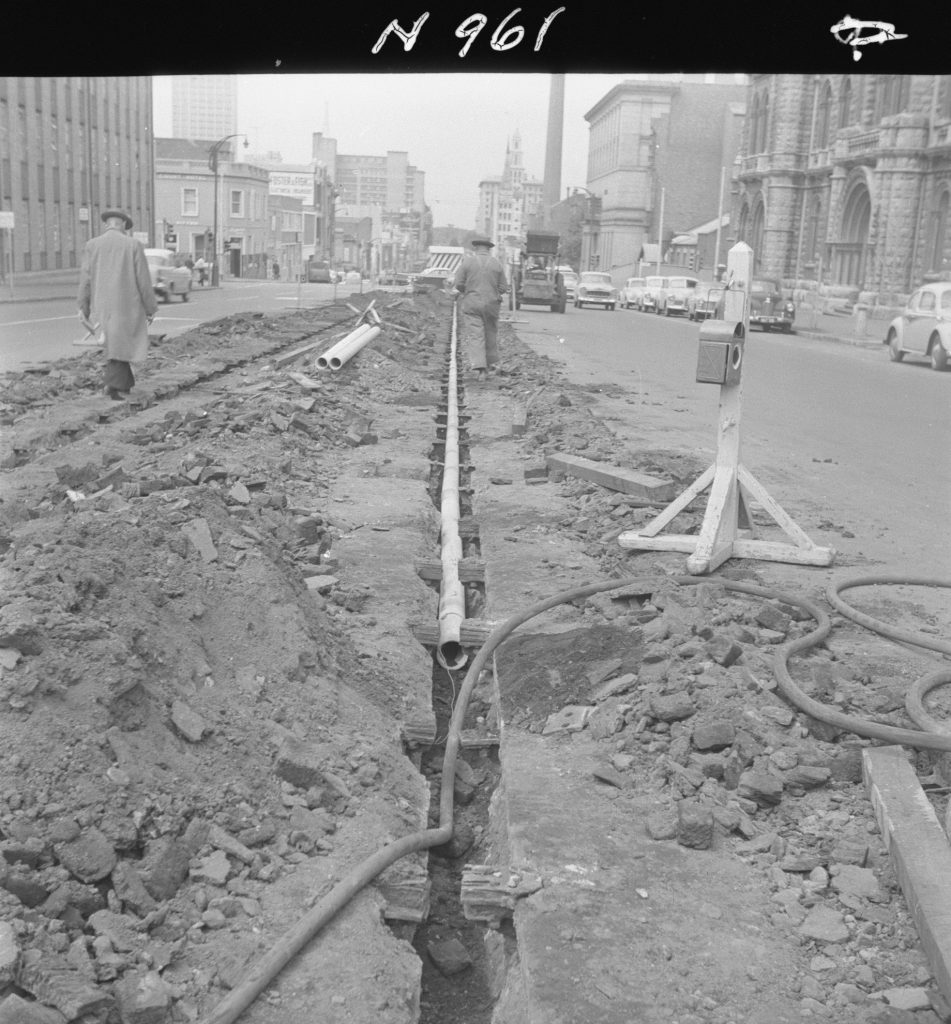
204	106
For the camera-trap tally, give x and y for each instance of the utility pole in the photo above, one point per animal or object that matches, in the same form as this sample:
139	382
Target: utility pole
716	252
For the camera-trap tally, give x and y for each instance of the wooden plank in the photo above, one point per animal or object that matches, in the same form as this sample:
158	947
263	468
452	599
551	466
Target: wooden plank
617	479
470	570
919	851
471	634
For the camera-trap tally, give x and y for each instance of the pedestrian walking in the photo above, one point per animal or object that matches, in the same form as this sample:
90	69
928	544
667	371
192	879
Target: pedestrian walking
276	270
480	281
202	267
115	291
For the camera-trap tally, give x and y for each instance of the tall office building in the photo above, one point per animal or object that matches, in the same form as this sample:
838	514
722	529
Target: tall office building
69	149
204	106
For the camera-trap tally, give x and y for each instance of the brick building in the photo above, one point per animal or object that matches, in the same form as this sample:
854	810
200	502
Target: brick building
648	136
846	179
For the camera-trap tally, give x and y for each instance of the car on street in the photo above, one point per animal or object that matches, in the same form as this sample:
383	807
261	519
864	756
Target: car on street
571	284
924	327
596	289
167	278
768	308
673	297
653	286
320	271
433	279
632	292
703	303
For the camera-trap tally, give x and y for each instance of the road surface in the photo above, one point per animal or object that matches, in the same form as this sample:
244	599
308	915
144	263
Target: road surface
837	434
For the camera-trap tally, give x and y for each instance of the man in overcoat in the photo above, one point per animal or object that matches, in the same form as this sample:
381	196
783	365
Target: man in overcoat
480	280
115	291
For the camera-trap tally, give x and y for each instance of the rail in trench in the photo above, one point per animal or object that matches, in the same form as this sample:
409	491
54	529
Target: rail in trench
447	939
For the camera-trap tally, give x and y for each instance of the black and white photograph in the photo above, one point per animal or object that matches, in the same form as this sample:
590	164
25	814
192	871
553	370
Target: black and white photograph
474	505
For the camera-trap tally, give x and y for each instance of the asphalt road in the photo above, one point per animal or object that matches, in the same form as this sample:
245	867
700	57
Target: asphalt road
836	433
34	333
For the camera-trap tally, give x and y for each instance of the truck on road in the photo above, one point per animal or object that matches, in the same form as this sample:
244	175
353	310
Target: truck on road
538	279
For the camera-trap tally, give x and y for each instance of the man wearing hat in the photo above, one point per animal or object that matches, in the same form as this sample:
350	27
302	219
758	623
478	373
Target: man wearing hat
480	280
115	291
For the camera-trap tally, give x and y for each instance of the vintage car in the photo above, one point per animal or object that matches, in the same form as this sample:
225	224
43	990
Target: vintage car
924	328
433	279
571	284
596	289
673	297
768	308
167	278
630	295
703	303
653	286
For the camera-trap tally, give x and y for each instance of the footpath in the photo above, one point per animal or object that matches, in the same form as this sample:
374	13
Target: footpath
844	328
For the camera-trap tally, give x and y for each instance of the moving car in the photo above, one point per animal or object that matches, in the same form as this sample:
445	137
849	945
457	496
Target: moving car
673	297
596	289
768	308
703	303
167	278
924	328
653	286
632	293
319	271
433	279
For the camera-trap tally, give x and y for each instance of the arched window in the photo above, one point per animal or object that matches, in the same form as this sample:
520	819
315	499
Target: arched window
758	125
845	103
823	116
763	124
940	231
744	224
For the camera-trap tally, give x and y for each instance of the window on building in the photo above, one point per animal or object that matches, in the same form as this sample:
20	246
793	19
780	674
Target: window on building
823	117
845	103
237	202
189	202
944	99
894	92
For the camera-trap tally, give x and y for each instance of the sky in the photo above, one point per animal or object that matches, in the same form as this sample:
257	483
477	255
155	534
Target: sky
454	126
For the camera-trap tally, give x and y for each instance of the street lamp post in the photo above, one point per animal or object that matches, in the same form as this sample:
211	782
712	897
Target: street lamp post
213	167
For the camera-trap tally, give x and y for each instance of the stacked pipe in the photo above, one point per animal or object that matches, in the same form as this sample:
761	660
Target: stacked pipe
349	346
452	596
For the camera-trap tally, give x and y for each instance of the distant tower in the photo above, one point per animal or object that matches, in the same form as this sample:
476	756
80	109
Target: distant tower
204	106
553	144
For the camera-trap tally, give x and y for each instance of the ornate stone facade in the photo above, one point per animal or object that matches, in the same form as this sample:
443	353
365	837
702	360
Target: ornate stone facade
846	179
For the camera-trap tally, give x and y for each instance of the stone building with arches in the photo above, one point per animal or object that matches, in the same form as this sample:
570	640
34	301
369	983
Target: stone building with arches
846	179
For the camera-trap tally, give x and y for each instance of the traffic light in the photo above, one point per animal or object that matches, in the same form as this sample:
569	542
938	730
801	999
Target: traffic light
171	238
699	260
692	259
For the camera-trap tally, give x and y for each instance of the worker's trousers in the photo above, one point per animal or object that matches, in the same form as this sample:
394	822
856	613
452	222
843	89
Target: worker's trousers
481	335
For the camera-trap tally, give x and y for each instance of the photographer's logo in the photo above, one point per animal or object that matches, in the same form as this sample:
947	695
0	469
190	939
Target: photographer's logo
849	31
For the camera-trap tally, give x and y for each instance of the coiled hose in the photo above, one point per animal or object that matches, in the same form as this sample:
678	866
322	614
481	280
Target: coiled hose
293	941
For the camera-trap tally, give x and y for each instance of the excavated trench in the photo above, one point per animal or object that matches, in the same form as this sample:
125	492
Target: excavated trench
459	983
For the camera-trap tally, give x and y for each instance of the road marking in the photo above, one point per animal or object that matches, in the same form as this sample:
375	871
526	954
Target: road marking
38	320
184	319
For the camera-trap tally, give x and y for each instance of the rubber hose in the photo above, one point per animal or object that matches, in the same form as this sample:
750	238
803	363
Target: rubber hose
272	962
902	636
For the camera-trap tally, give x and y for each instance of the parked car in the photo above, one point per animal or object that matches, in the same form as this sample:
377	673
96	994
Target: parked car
768	308
653	286
924	328
704	302
596	289
167	278
673	297
632	293
571	284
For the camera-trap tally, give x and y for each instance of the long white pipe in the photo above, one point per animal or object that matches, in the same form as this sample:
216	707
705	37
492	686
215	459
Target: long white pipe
323	360
351	346
452	596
